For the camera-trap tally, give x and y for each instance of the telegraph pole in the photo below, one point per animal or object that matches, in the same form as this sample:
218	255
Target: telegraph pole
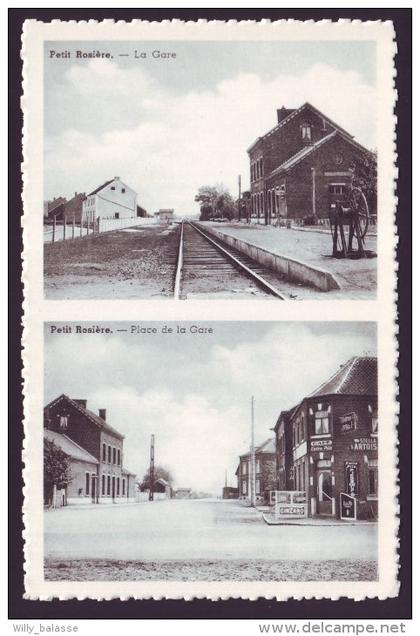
152	468
239	197
252	467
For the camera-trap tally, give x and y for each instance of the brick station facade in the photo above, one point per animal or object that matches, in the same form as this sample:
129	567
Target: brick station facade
95	450
328	443
301	165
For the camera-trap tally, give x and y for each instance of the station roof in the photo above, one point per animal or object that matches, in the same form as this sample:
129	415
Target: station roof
96	419
70	447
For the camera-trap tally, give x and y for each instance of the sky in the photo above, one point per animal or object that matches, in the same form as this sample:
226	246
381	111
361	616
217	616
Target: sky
193	391
168	126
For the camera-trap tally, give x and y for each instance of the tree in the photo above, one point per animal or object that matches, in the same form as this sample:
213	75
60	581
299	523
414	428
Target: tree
215	201
365	177
159	473
57	472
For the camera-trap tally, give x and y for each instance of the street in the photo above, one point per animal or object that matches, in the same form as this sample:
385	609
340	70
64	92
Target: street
225	539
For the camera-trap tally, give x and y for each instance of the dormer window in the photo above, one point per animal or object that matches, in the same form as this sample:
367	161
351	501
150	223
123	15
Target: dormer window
63	422
306	131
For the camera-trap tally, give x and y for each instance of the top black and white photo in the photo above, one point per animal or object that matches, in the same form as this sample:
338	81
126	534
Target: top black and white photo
210	170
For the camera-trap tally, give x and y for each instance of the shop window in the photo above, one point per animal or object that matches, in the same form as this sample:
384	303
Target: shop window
87	484
322	425
103	485
104	452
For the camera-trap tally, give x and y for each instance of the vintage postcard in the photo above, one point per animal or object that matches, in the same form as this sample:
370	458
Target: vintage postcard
218	447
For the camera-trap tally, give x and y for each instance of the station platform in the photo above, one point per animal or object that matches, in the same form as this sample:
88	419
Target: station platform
356	278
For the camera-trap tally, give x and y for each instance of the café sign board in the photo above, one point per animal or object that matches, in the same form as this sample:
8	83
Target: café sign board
321	445
348	511
364	444
348	422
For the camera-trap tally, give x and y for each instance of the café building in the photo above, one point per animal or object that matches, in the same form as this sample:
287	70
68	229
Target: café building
332	448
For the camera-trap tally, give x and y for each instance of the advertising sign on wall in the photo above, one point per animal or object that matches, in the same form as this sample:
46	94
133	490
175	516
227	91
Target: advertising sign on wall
321	445
364	444
348	422
352	478
347	507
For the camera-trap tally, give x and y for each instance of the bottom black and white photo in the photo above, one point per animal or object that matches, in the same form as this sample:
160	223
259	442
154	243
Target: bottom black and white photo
214	451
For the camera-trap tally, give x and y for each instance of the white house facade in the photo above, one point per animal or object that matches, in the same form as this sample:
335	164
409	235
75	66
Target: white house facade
113	199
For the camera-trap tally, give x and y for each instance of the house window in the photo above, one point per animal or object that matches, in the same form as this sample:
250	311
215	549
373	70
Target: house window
123	487
244	487
63	422
108	485
373	478
322	425
104	452
306	132
109	454
258	486
257	466
123	190
336	188
114	455
118	486
244	468
112	187
87	484
103	484
119	457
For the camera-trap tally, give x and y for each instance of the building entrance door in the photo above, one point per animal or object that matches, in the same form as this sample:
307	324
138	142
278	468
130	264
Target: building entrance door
93	488
324	493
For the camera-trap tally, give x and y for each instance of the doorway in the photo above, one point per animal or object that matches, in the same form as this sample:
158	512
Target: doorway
324	493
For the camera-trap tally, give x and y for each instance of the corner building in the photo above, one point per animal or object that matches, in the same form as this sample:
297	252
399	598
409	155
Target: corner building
331	442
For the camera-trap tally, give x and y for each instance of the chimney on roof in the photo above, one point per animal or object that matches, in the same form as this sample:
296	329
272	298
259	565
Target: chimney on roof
282	113
82	403
102	414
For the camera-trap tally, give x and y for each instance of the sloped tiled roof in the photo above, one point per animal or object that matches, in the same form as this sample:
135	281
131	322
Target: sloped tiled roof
268	446
90	414
293	113
69	447
359	376
101	187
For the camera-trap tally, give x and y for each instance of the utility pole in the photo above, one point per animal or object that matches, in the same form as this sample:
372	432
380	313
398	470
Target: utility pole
152	468
252	467
239	197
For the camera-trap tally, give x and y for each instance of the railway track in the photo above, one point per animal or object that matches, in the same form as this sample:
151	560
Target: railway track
207	266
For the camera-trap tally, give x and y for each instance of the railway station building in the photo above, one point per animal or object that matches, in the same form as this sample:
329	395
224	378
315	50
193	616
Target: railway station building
265	472
300	165
95	450
328	443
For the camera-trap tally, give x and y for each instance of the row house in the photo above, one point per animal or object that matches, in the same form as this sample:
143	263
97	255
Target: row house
328	443
265	472
97	469
300	166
